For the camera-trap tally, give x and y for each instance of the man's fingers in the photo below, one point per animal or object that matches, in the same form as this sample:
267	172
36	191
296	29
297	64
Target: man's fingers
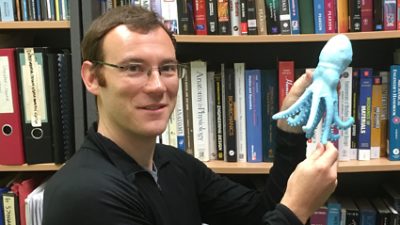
302	83
319	150
330	155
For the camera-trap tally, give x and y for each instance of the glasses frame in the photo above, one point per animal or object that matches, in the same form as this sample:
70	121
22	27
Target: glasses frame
125	67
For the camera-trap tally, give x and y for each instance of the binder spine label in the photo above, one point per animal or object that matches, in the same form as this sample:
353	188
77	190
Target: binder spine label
6	104
33	89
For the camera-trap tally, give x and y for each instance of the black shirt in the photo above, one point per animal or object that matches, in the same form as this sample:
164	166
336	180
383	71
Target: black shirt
102	185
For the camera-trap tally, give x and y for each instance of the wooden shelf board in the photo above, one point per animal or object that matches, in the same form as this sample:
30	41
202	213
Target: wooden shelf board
375	165
283	38
35	25
34	167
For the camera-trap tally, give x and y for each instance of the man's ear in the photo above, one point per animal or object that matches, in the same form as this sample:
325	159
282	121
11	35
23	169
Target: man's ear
89	77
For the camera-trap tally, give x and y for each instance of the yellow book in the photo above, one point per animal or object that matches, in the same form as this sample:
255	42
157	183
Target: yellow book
376	117
342	16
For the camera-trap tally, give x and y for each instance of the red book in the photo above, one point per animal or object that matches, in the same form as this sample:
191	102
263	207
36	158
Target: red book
367	20
330	16
286	78
200	17
11	138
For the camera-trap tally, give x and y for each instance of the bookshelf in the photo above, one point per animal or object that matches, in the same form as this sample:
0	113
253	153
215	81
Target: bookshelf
35	25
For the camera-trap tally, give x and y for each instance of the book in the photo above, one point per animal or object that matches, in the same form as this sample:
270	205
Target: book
261	17
169	12
11	137
384	115
334	211
352	213
244	27
269	106
7	10
219	121
294	16
273	16
251	17
230	116
319	16
234	14
342	11
200	17
354	113
391	194
376	111
367	211
180	118
224	25
306	17
367	15
212	17
33	83
355	15
378	15
198	72
320	216
185	17
240	101
187	109
330	16
284	17
364	114
389	15
212	145
345	103
285	78
383	213
10	208
394	114
253	116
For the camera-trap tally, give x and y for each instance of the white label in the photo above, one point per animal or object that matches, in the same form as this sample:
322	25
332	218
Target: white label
6	104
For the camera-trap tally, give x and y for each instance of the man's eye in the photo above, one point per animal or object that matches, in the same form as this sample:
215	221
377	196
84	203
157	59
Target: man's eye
168	68
134	68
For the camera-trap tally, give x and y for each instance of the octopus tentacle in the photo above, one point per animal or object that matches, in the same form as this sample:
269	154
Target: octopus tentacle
292	109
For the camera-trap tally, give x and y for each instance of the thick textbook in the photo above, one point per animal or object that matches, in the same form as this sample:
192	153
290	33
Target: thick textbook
11	138
394	113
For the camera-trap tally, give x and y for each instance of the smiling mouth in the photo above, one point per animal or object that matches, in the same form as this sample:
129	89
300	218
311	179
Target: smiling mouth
154	107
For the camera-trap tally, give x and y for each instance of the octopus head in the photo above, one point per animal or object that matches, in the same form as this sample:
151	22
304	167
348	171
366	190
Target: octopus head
337	52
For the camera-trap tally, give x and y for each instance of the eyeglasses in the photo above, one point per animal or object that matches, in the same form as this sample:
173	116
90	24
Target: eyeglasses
138	70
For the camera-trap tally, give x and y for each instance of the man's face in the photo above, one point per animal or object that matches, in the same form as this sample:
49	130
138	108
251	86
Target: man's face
131	105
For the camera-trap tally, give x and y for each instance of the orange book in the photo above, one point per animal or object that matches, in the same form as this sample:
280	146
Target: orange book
342	16
376	106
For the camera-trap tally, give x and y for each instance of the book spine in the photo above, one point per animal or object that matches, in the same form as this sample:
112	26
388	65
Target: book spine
384	115
342	16
230	112
200	110
261	17
272	12
187	109
389	14
7	10
330	16
180	119
364	114
252	17
378	15
212	146
169	12
345	102
224	26
234	13
286	78
306	17
241	112
244	28
294	16
355	15
253	116
185	16
394	113
218	117
212	17
354	114
319	16
200	17
284	17
367	15
376	111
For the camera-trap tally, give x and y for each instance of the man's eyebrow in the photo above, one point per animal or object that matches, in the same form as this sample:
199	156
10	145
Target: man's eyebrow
141	60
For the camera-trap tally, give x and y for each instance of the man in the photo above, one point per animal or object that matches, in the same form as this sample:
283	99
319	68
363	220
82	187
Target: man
121	176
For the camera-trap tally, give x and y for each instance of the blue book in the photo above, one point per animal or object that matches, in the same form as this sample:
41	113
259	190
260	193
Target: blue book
364	114
2	190
269	96
253	115
334	210
394	113
319	17
294	16
367	211
7	10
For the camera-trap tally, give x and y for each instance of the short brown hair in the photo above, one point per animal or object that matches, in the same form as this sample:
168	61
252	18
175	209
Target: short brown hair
136	18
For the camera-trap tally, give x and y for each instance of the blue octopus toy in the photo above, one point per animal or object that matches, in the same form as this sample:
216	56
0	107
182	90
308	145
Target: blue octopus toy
320	99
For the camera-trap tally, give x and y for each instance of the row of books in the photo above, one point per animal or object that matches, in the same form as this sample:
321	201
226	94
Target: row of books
262	17
34	10
21	199
36	106
376	210
225	114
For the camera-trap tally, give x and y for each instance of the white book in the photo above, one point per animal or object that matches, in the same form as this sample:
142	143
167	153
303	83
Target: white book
240	119
169	13
198	73
344	109
155	6
211	115
234	13
172	130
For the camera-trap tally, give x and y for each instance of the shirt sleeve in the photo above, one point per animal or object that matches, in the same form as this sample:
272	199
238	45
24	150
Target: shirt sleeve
281	215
